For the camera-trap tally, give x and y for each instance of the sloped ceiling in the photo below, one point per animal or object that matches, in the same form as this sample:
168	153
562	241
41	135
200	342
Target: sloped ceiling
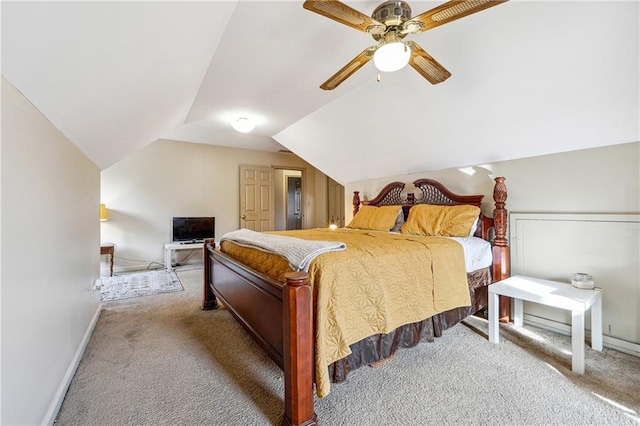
528	78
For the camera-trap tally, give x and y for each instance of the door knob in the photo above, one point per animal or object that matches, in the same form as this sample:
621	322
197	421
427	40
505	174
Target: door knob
244	217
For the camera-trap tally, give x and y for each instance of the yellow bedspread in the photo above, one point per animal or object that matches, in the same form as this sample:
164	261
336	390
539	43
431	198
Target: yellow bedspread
381	281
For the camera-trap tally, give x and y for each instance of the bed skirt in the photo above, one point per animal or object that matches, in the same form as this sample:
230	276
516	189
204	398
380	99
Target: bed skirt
381	346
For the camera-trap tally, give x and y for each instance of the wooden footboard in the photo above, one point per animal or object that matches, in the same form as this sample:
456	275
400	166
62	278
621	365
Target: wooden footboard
282	326
279	315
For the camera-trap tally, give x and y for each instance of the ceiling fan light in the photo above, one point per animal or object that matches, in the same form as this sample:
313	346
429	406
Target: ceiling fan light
392	56
243	125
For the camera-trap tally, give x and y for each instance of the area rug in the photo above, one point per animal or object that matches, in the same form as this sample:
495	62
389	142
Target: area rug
137	284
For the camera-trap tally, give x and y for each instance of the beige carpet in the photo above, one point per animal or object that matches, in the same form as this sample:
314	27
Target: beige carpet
160	360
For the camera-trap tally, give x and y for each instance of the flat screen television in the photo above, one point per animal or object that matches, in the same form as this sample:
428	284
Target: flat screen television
193	229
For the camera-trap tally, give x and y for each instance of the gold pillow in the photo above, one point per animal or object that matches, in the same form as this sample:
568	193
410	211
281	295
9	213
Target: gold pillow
443	221
374	218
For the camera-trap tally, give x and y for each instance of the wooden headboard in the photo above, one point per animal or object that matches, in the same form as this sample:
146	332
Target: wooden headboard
430	192
434	192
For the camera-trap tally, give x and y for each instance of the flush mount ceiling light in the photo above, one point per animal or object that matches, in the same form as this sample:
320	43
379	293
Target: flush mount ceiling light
243	124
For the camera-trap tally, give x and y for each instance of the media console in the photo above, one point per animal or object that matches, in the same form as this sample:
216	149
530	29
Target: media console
170	247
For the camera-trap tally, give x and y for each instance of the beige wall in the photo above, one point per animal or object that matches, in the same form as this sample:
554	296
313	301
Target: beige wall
598	180
169	178
50	259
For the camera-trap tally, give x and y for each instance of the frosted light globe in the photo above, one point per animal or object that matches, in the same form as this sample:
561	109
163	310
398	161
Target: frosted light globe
392	56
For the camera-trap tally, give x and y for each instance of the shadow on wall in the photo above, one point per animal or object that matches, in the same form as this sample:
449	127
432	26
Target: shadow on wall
115	231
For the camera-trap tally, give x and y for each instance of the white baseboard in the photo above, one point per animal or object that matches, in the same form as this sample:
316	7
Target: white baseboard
607	341
126	269
54	408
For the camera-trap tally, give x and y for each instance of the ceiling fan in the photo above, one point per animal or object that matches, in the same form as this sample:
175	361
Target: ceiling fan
391	22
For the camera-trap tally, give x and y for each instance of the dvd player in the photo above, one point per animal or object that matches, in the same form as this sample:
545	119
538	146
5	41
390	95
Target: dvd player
192	242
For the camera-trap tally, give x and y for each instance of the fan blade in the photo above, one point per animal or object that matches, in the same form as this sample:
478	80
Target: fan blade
346	71
346	15
428	67
450	11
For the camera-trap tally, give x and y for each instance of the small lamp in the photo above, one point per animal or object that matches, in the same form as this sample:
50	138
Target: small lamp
103	213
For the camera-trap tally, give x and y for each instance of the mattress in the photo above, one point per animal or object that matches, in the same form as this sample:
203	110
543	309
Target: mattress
477	252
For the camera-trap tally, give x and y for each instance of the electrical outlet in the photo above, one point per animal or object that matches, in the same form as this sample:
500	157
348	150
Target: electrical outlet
97	284
609	329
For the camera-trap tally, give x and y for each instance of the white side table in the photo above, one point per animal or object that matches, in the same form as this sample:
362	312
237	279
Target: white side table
170	247
555	294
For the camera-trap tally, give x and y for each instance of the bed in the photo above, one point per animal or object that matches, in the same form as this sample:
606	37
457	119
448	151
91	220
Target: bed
296	316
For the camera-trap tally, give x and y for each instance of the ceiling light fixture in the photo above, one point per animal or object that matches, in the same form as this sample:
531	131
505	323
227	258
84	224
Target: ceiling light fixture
243	125
392	56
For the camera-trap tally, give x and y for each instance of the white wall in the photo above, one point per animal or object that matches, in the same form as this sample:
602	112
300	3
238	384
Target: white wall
50	259
598	180
169	178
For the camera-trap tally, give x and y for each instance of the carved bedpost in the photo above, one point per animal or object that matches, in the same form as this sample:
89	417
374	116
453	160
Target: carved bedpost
298	351
356	202
209	300
500	212
500	249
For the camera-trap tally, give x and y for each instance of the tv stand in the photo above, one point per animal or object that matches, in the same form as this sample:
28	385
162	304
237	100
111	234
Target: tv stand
170	247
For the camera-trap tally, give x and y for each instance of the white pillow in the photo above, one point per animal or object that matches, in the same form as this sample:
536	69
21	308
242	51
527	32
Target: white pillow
474	227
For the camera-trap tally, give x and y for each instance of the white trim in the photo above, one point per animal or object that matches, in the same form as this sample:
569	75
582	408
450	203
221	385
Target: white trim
54	408
608	341
160	267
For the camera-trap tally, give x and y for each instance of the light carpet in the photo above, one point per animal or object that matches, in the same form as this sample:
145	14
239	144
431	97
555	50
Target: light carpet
137	284
163	361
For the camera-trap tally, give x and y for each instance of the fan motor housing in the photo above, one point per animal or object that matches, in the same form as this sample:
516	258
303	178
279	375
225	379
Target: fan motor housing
392	13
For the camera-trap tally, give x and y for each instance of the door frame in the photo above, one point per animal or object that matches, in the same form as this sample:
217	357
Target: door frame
303	186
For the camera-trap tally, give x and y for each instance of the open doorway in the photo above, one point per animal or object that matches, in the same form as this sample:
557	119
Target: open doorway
271	198
294	202
289	199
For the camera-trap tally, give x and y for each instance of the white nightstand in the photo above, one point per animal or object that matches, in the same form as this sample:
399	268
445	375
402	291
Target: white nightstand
555	294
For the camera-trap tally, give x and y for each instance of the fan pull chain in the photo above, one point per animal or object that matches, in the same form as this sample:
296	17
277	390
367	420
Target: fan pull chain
378	78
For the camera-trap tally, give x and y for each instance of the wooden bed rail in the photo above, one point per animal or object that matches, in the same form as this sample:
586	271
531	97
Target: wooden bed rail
209	300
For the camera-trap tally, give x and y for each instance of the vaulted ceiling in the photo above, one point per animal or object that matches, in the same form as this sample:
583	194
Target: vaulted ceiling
528	78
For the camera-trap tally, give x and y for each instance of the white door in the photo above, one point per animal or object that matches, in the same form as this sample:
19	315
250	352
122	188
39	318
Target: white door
256	198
